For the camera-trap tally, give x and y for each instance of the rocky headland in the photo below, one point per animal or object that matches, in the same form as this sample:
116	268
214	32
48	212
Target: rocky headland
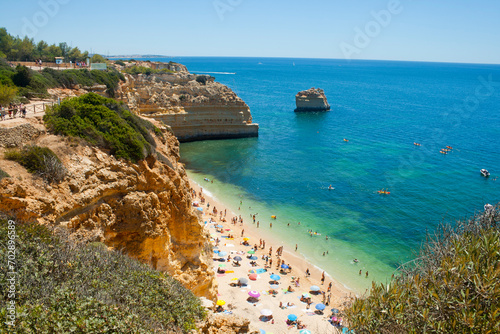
313	99
194	106
143	209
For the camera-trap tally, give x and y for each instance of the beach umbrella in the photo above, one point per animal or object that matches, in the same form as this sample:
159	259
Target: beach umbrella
314	288
254	294
237	258
220	226
199	209
275	277
266	312
243	280
222	254
305	331
320	306
335	310
246	239
251	252
334	319
284	266
253	277
306	295
292	317
253	257
220	302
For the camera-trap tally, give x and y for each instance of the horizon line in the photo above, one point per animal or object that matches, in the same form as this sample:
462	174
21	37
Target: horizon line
278	57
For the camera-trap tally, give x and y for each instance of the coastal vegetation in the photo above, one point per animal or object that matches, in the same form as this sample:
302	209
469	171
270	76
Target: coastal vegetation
74	288
106	123
25	49
28	83
39	160
145	70
452	286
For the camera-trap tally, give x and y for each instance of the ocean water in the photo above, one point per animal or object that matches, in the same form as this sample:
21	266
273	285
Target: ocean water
382	108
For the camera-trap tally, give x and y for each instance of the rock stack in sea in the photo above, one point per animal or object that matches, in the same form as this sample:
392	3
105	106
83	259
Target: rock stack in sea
313	99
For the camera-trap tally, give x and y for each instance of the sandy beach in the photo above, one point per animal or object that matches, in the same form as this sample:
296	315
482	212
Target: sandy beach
228	238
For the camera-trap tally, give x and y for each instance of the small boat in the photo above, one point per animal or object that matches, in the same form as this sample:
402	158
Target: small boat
273	217
346	140
485	172
443	152
385	192
416	144
488	207
449	147
330	187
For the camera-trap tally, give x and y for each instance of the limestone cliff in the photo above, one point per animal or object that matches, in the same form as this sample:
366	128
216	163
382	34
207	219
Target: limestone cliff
313	99
142	209
194	106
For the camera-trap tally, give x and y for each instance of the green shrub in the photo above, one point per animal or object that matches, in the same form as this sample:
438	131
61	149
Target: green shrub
66	287
145	70
103	122
120	62
452	287
3	174
39	160
22	77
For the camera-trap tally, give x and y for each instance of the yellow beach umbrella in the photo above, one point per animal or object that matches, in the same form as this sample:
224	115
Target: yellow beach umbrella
246	239
220	302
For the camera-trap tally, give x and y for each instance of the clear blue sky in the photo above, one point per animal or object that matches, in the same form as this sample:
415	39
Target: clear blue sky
420	30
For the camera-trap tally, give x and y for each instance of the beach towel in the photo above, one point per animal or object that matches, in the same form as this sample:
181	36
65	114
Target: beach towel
229	271
221	275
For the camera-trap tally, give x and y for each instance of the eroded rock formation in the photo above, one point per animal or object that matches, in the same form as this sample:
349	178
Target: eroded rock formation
194	106
313	99
143	209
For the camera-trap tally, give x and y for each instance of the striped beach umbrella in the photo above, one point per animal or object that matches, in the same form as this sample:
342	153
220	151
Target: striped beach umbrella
254	294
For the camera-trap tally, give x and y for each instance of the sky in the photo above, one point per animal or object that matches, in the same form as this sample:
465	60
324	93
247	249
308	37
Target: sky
463	31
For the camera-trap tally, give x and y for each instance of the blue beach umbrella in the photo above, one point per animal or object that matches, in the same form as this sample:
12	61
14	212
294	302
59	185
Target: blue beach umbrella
253	257
221	226
275	277
284	266
237	258
199	209
320	307
292	317
305	331
222	254
314	288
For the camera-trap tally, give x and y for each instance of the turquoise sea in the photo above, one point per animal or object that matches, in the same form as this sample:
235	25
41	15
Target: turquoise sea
382	108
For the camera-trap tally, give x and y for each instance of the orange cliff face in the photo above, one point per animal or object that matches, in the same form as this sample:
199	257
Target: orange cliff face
142	209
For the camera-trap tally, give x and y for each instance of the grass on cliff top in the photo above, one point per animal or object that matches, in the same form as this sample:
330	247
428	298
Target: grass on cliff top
63	287
145	70
38	160
452	287
105	123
